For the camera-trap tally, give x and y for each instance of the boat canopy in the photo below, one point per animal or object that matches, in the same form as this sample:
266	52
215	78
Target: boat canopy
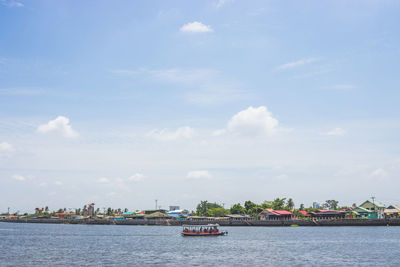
200	226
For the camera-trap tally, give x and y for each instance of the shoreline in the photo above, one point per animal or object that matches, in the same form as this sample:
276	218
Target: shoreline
251	223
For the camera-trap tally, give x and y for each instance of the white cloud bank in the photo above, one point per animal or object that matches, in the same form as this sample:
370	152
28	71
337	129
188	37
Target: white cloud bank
199	174
18	177
185	132
6	147
379	173
336	131
195	27
296	63
252	122
137	177
103	180
59	126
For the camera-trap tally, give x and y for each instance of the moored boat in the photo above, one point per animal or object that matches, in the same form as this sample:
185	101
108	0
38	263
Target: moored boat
202	230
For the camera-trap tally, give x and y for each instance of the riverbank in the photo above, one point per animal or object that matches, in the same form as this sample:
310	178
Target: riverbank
171	222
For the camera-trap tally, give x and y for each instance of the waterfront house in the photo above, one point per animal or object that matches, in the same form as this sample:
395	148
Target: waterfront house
239	217
178	214
146	212
276	215
304	213
201	218
378	209
361	212
157	215
64	215
392	211
327	214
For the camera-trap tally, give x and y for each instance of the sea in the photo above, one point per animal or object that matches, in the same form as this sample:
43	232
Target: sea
23	244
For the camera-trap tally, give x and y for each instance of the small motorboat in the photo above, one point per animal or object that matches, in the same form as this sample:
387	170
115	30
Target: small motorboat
202	230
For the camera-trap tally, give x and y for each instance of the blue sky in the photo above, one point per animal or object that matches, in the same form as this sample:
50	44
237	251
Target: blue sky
124	102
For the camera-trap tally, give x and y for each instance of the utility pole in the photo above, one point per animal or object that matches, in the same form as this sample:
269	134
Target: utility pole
156	203
373	202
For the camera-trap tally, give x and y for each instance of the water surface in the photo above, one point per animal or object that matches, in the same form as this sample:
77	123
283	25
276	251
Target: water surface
52	244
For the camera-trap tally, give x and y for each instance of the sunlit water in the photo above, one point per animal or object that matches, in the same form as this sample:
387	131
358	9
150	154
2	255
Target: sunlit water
94	245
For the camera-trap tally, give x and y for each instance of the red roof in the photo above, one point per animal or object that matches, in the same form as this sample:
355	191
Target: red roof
322	210
303	212
282	212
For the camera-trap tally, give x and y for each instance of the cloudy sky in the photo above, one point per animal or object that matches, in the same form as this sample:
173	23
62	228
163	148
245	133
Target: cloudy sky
125	102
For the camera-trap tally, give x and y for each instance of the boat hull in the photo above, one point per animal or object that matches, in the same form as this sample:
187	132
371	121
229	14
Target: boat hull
205	234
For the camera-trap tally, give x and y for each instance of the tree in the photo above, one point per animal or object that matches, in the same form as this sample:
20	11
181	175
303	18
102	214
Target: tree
301	207
217	212
266	205
237	209
125	210
278	203
290	204
46	209
254	211
331	204
201	209
110	212
248	205
204	206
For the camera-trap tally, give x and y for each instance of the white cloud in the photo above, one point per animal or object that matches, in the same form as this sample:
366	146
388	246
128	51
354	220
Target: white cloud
103	180
18	177
221	3
200	86
341	87
58	126
6	147
379	173
59	183
281	177
336	131
219	132
296	63
11	3
195	27
185	132
119	180
137	177
252	122
199	174
43	184
22	91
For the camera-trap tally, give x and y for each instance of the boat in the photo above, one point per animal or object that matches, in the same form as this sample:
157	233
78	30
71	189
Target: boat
202	230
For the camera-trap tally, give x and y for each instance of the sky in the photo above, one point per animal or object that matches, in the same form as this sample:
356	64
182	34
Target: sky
124	102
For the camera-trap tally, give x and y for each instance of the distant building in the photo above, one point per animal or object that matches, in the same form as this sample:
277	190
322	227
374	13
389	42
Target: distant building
392	211
316	205
172	208
90	209
38	210
178	213
276	215
327	214
378	209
